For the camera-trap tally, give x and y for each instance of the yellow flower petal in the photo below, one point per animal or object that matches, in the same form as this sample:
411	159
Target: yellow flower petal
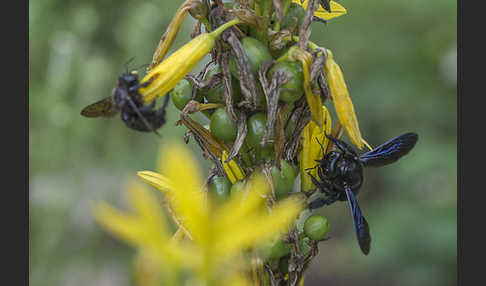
232	169
311	150
186	194
147	207
257	228
242	204
155	179
125	226
342	101
170	34
336	10
314	101
145	228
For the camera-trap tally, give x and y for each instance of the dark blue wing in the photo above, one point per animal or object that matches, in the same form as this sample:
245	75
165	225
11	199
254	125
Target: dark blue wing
360	224
390	151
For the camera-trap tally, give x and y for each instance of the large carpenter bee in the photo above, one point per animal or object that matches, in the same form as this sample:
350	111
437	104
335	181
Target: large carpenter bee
127	100
341	175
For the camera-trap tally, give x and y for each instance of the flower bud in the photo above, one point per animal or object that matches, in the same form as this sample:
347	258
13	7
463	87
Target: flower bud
342	101
163	77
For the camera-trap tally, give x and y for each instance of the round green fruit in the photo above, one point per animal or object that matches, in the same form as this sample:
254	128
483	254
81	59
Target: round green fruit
264	153
216	94
283	180
293	89
182	94
316	227
219	189
278	248
257	53
294	17
221	125
256	129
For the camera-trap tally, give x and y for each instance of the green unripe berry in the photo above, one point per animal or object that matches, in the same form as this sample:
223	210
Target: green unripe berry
264	153
256	129
216	94
294	17
293	89
219	189
283	180
316	227
182	94
257	53
278	248
221	125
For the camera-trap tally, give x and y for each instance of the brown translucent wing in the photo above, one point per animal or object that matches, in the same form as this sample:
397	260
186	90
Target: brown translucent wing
102	108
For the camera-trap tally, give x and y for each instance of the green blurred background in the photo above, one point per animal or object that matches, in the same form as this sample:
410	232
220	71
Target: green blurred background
399	61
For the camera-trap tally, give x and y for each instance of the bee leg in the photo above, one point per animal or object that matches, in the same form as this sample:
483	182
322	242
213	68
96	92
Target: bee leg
324	186
136	87
307	169
322	147
317	203
320	202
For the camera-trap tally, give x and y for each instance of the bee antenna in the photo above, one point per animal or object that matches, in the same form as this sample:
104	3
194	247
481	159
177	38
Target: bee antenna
142	66
322	147
125	65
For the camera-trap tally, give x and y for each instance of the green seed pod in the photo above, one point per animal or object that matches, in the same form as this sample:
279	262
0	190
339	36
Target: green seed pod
257	53
316	227
219	189
216	95
221	125
264	153
278	248
283	180
294	17
256	129
294	88
182	94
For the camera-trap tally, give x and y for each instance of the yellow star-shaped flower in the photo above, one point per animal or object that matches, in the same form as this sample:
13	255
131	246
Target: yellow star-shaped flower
220	233
336	10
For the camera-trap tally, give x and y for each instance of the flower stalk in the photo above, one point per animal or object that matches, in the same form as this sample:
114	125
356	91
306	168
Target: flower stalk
264	94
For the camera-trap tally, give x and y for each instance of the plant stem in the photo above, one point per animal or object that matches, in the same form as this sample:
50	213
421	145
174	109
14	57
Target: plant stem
223	27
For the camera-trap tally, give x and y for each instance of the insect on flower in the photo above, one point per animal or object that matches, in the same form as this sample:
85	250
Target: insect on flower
341	175
126	99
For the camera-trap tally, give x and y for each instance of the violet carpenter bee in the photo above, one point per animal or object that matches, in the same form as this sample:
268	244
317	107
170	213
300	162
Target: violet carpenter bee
341	175
127	100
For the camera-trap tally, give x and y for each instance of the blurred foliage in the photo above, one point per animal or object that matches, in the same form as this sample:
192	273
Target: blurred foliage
399	62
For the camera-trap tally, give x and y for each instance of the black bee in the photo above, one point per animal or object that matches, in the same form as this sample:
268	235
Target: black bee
341	175
126	99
